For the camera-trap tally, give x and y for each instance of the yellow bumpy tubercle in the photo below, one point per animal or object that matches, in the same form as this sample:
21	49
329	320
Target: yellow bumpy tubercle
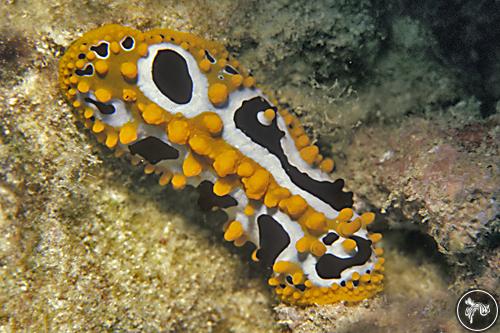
153	114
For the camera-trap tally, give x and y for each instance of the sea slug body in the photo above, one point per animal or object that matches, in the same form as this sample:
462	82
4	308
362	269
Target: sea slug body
194	116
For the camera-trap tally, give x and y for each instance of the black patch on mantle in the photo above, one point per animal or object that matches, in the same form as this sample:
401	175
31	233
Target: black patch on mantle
102	49
273	240
269	137
208	199
102	107
171	76
128	43
330	266
154	150
330	238
88	70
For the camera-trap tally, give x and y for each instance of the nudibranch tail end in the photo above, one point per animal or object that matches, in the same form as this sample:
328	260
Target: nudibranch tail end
193	115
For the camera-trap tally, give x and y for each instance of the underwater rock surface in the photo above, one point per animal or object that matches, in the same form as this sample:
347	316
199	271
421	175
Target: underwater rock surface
87	243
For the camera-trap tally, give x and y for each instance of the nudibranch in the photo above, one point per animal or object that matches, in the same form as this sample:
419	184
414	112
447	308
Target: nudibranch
192	114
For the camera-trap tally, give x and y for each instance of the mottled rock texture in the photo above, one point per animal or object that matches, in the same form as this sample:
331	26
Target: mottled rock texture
87	243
